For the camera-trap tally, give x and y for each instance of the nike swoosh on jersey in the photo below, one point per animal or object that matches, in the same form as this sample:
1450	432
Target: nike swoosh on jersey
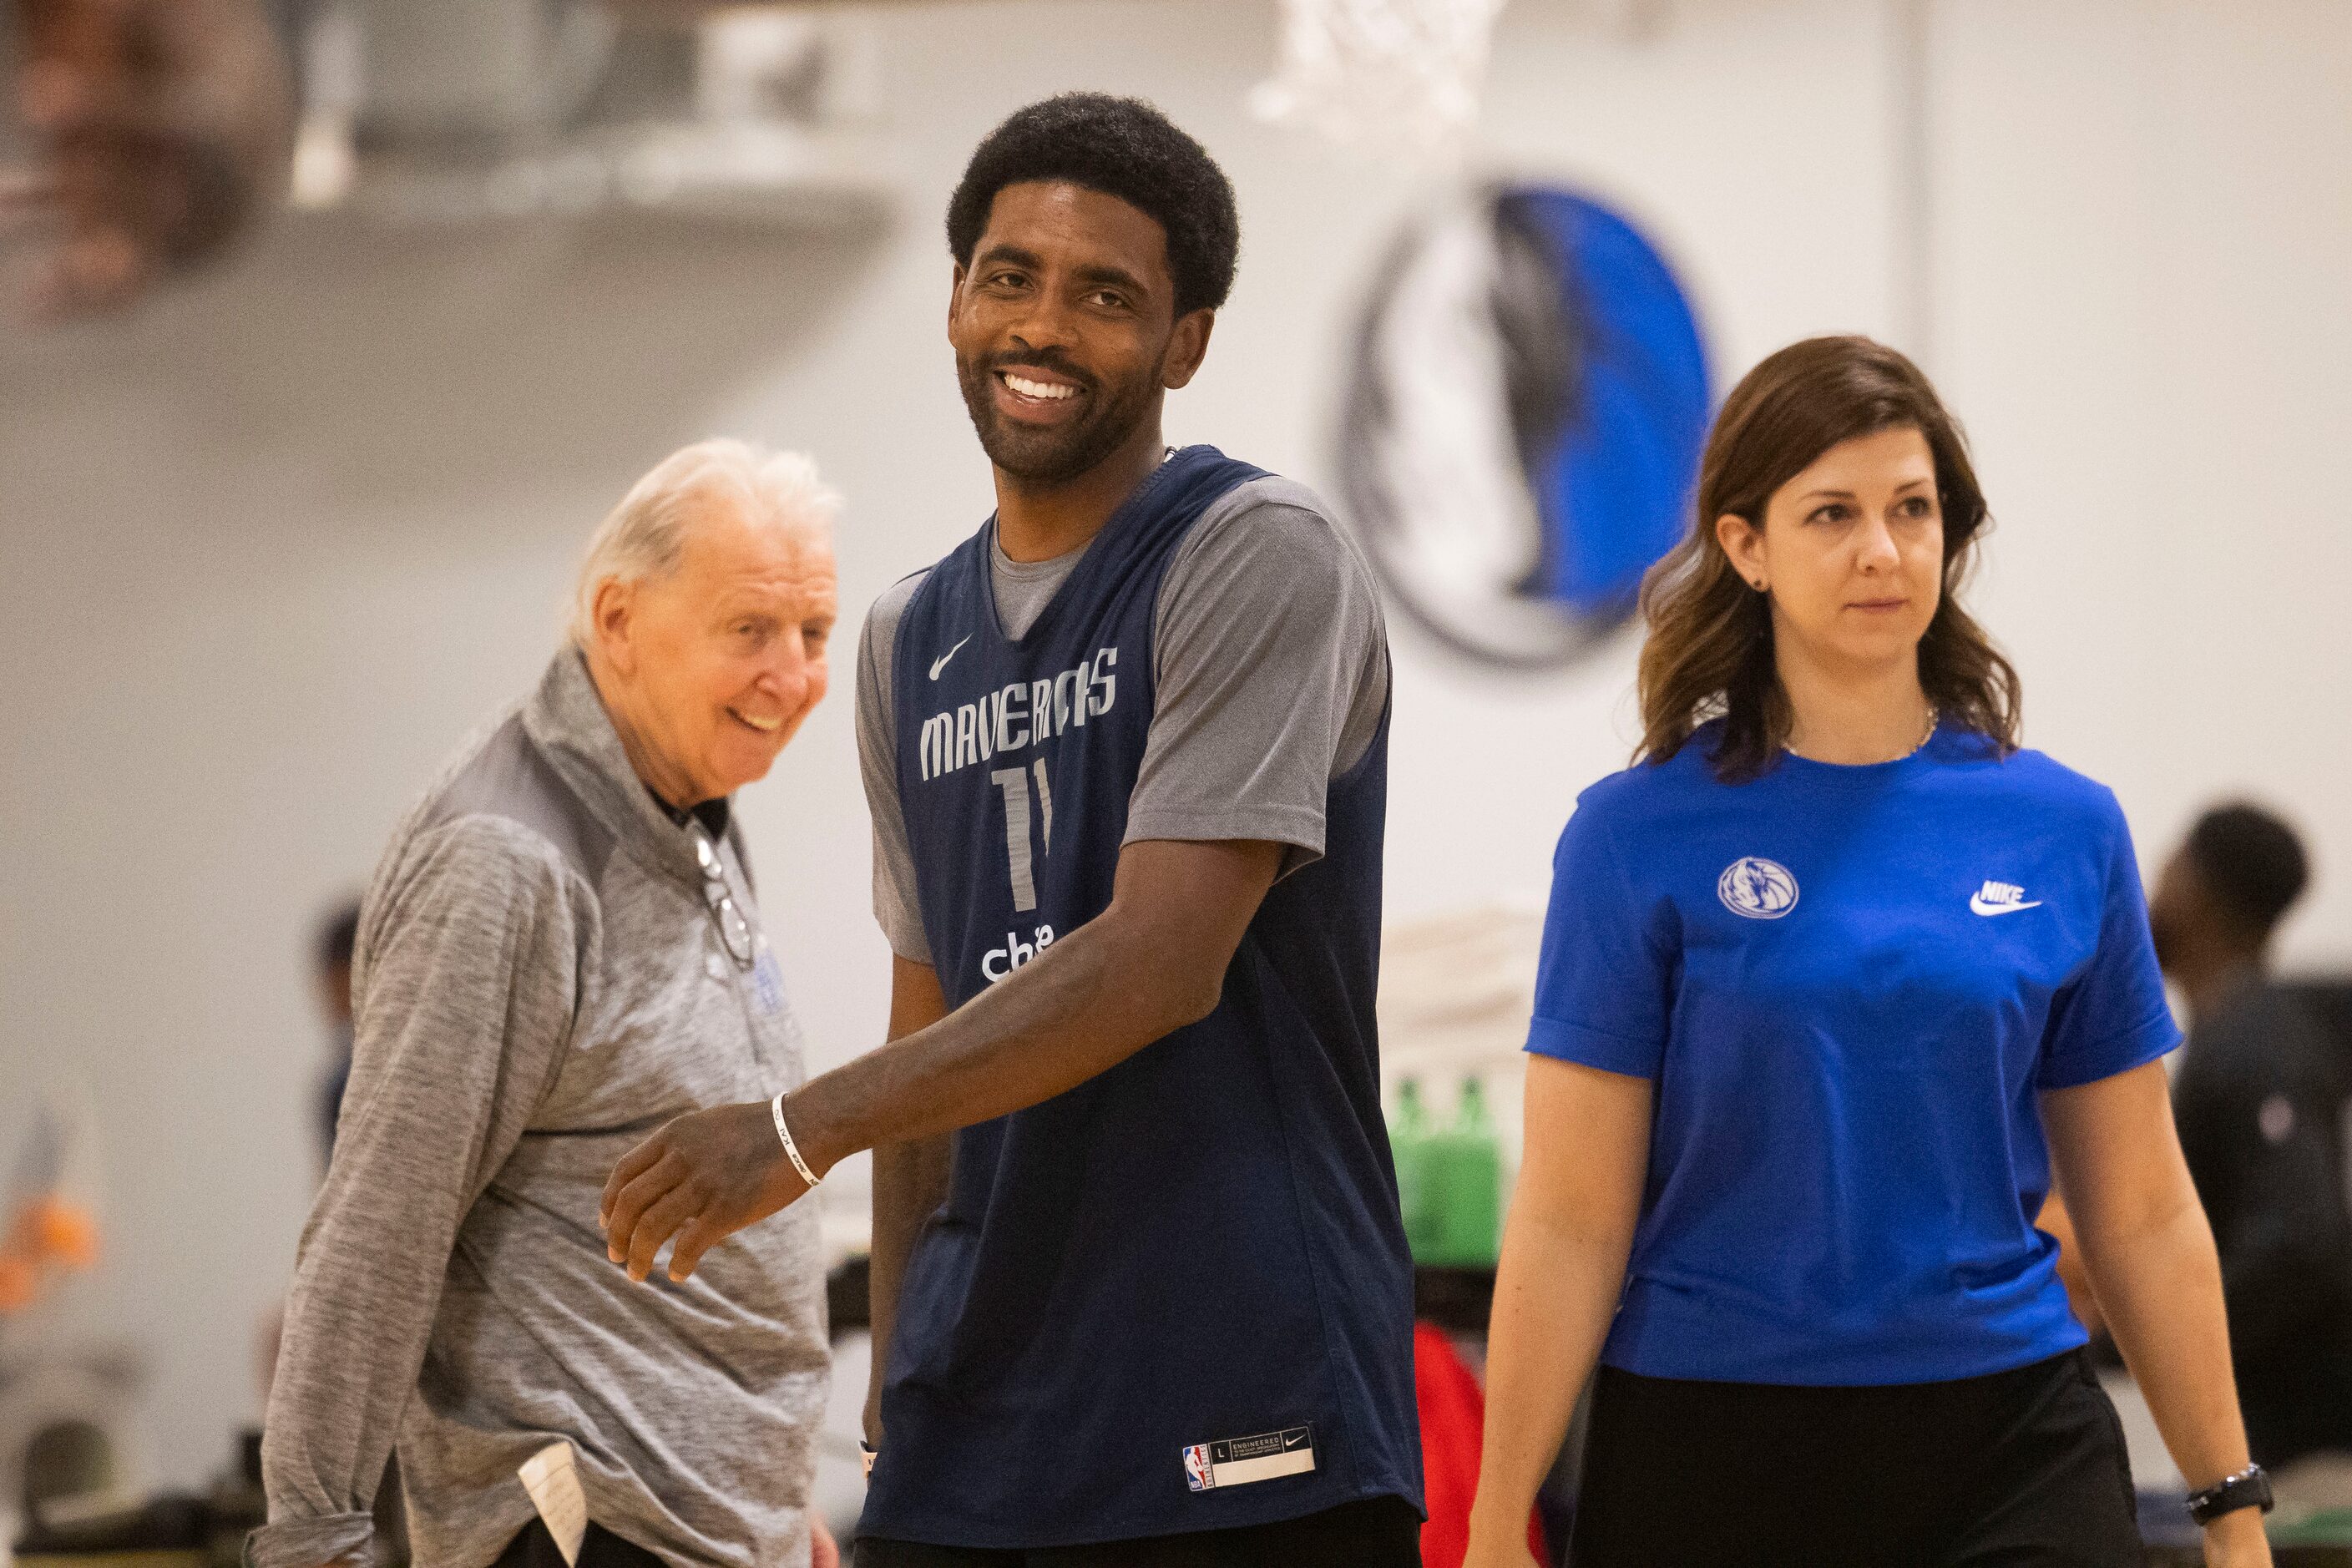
941	663
1977	903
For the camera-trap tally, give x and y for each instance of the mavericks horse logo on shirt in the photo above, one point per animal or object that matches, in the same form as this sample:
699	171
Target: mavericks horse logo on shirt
1758	888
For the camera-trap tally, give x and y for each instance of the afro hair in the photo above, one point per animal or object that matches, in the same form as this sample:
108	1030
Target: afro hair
2252	861
1122	147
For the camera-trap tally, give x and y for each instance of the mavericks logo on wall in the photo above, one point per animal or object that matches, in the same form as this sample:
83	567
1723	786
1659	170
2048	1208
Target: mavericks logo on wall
1523	424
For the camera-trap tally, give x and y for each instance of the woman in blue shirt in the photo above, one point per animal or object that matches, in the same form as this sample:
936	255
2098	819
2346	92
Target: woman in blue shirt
1836	980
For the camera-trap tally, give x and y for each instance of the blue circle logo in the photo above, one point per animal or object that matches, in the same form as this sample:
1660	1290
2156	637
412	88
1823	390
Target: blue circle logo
1522	430
1759	889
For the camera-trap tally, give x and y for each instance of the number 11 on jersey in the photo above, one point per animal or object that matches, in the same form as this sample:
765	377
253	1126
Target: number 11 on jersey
1014	784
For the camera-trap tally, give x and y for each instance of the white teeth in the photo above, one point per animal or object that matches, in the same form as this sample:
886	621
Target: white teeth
1052	391
766	726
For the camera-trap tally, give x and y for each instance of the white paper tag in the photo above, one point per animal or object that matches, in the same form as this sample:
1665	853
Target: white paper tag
552	1479
767	981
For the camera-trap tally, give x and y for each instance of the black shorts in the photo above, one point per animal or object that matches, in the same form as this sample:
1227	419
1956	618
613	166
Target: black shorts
1378	1532
600	1547
2024	1469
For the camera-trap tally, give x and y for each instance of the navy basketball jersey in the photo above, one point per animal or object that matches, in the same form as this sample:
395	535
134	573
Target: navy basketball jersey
1177	1296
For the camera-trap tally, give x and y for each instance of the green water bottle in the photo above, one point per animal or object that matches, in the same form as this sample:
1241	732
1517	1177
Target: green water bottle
1408	1145
1461	1175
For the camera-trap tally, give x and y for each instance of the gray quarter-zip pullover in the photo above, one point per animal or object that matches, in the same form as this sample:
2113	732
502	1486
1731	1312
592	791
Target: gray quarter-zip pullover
539	985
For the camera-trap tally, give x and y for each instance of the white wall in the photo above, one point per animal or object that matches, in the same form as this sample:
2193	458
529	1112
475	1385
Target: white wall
272	546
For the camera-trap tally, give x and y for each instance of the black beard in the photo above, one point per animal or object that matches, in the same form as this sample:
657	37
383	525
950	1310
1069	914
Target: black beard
1056	455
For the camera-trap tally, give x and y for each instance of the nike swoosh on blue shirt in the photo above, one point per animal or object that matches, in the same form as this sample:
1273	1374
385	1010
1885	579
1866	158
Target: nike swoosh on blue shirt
941	663
1975	902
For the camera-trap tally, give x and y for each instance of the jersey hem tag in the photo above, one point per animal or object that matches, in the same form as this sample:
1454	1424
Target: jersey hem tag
1238	1461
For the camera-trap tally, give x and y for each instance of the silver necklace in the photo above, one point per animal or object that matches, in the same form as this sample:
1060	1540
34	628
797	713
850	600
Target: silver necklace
1934	717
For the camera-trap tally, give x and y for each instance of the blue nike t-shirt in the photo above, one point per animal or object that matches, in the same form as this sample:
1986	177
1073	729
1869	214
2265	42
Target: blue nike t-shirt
1850	987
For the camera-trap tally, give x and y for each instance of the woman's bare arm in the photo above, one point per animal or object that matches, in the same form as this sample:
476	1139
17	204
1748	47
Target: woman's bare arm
1563	1269
2151	1262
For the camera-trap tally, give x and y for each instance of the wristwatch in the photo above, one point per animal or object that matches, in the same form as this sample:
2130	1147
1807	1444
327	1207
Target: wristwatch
2250	1487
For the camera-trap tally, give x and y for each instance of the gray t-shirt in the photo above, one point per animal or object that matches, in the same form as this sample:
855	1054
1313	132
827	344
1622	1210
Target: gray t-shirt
1271	662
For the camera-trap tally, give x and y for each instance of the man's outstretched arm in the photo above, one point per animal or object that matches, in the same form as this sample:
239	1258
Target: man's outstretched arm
1152	963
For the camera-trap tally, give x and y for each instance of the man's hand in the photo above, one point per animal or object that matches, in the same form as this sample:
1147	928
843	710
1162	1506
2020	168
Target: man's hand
823	1551
701	1178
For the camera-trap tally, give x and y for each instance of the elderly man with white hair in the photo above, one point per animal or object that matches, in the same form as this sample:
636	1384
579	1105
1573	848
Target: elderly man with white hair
560	952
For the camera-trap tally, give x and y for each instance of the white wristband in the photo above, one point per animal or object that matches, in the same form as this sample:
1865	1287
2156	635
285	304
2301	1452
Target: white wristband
785	1135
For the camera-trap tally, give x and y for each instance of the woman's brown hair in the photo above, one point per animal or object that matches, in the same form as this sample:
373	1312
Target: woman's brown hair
1709	650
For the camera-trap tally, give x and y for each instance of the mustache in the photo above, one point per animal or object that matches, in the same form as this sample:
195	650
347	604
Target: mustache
1051	360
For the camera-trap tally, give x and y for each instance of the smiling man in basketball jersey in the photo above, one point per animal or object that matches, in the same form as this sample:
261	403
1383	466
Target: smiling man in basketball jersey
1125	749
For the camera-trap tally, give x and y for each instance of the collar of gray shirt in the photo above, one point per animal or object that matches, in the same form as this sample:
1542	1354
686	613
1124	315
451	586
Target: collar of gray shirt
1023	588
566	718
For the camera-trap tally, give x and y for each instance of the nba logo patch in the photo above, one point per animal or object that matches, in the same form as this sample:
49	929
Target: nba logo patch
1198	1473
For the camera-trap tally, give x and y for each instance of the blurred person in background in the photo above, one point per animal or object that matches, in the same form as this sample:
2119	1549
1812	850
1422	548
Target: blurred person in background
1835	979
2260	1098
162	129
338	936
560	950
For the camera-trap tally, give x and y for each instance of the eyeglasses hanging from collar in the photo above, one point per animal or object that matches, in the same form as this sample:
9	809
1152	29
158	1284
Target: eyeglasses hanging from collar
734	930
